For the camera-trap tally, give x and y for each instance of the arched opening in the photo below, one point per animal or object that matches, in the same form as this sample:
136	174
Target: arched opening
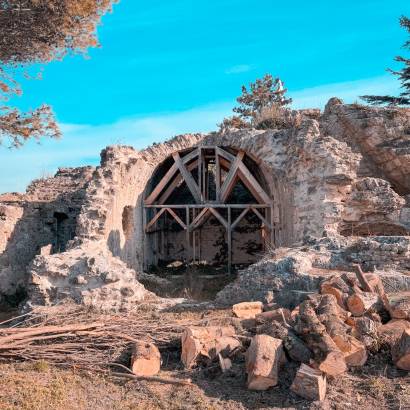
209	205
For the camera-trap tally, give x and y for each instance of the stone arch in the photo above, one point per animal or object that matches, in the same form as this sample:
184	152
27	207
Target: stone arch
222	186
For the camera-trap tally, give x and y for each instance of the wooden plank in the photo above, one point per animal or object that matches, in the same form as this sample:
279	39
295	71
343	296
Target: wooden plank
155	219
219	217
210	205
193	187
217	177
225	154
229	238
198	218
189	157
176	217
200	165
174	184
261	217
239	218
231	178
188	245
252	184
164	181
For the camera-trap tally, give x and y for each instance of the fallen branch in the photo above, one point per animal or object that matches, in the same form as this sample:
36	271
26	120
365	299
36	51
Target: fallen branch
157	379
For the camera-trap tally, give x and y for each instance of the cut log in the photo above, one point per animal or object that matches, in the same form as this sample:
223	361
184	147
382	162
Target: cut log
225	363
398	305
391	332
365	330
354	351
281	315
145	359
263	359
313	332
206	342
334	364
247	310
375	283
332	315
401	351
337	287
360	303
309	383
364	284
293	345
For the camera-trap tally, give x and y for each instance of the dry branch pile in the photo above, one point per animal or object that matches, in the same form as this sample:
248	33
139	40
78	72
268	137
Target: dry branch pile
68	336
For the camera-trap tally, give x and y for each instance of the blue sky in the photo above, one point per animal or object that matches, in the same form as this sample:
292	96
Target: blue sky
166	68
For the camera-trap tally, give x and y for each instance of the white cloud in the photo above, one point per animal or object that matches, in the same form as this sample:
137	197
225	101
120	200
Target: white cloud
82	143
238	69
349	92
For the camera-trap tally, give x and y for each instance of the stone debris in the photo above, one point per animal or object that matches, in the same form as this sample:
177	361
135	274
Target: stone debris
247	310
309	383
145	359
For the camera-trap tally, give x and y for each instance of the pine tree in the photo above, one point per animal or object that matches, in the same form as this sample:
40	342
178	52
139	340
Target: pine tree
263	93
403	75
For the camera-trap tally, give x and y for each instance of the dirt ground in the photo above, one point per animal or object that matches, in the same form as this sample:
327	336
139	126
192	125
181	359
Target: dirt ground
42	385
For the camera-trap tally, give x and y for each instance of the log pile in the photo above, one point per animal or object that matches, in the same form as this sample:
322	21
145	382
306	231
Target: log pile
326	334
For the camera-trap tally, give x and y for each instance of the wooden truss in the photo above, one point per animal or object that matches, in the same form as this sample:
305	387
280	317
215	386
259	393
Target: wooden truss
228	170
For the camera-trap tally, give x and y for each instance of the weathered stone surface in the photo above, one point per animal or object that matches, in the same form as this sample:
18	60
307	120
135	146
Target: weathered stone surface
341	172
89	275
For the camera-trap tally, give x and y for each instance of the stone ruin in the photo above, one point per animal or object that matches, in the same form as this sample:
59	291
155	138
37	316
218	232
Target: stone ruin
331	189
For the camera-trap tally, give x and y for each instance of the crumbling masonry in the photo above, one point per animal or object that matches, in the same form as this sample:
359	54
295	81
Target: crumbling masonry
331	189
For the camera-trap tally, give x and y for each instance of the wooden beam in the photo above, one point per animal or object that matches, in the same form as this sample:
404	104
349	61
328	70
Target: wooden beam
239	218
229	239
164	181
155	219
231	178
225	154
193	187
198	218
252	184
217	176
176	217
219	217
200	165
189	157
210	205
261	217
174	184
188	244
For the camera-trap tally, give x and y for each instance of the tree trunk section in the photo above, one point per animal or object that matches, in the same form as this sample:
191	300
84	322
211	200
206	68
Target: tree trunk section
309	383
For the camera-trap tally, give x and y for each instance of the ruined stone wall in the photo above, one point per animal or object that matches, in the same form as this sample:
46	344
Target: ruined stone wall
30	222
345	171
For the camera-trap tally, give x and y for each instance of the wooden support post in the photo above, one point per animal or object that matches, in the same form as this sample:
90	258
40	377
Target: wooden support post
188	245
217	176
229	238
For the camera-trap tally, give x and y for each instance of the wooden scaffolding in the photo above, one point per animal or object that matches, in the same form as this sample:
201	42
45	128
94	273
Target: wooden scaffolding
227	170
